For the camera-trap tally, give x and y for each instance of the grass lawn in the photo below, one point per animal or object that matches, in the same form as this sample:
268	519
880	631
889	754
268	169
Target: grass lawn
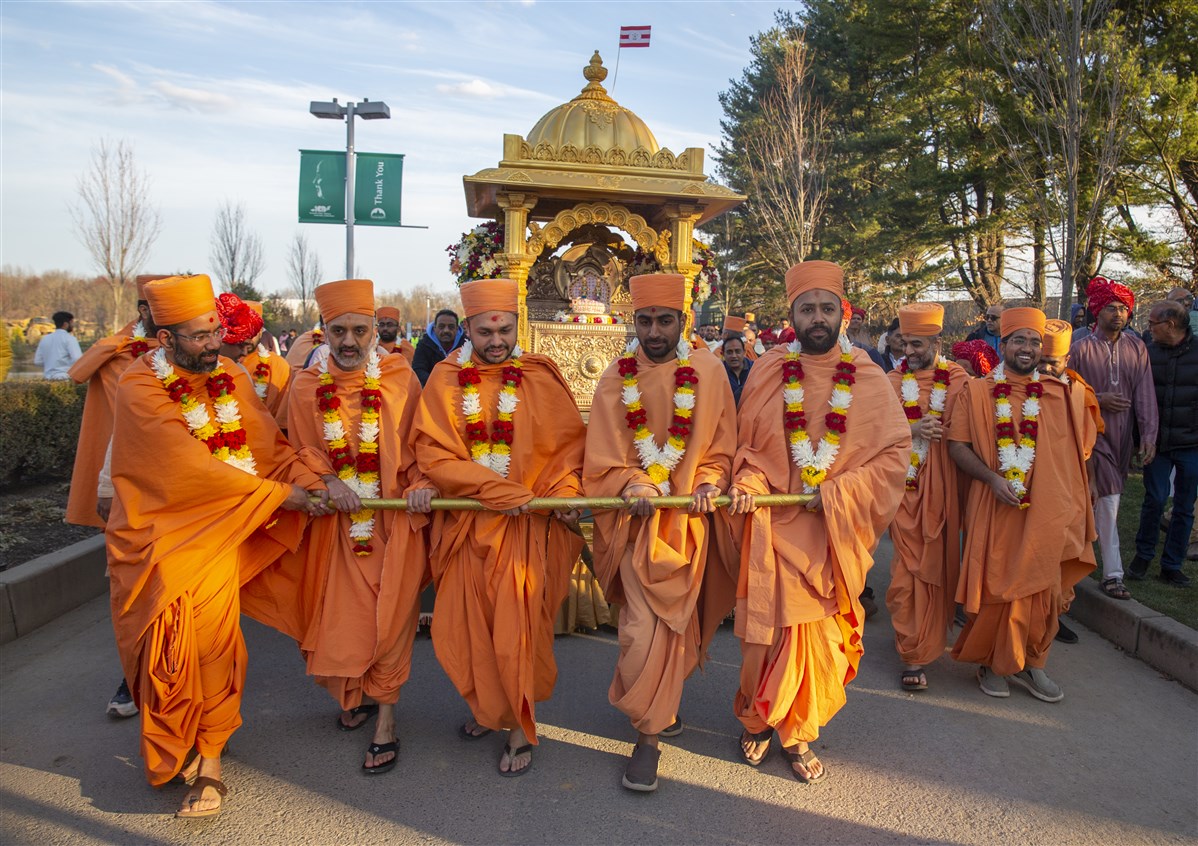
1180	604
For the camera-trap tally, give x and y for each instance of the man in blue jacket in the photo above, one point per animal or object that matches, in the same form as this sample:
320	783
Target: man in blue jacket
440	338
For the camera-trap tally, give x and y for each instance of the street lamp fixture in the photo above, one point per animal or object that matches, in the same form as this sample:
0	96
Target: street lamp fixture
332	110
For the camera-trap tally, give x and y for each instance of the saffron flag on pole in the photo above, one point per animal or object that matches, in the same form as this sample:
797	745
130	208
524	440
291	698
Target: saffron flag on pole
634	36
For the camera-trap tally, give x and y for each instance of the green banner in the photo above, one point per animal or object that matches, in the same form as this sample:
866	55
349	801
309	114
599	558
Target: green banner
378	184
322	187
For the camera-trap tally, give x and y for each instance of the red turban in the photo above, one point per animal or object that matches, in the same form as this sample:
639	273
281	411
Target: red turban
1101	292
239	321
846	310
857	310
786	335
980	355
768	335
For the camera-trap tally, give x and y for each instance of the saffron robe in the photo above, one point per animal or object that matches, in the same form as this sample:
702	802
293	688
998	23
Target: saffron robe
185	530
276	383
1019	566
500	579
798	612
666	570
926	534
353	616
100	366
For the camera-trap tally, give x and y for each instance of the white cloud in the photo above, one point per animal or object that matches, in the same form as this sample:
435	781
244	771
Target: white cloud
472	88
193	99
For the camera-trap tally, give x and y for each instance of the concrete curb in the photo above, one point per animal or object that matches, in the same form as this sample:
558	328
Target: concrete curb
1154	638
38	591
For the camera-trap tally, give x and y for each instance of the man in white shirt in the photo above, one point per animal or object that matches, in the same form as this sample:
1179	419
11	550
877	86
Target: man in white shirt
57	351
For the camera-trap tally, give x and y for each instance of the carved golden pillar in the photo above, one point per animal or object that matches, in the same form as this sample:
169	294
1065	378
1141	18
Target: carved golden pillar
515	258
682	219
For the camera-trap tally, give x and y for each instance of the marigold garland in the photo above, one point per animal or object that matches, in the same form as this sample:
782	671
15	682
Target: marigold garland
814	463
226	439
659	462
361	472
1015	460
262	372
140	344
494	452
910	390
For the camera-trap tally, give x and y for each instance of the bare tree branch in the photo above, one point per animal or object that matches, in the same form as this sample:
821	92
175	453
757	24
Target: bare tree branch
114	218
236	252
305	272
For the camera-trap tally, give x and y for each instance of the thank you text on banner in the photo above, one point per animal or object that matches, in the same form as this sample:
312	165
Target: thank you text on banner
378	186
322	186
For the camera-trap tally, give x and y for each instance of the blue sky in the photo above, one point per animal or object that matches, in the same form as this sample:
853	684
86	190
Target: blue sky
214	97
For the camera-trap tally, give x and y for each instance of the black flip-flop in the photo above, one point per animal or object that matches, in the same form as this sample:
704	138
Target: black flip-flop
369	710
760	737
382	749
804	758
511	754
920	683
466	734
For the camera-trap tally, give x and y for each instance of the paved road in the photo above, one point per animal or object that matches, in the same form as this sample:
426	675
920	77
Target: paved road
1115	762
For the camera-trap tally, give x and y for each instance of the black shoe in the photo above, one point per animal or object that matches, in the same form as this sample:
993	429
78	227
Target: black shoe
1064	633
1137	570
1175	578
122	704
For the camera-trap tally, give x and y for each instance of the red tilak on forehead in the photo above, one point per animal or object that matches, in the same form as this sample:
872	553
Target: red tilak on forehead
494	318
211	319
653	310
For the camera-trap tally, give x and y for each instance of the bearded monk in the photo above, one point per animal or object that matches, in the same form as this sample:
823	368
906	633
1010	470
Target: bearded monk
350	596
1024	442
926	531
662	420
180	541
90	497
499	426
269	371
802	571
388	328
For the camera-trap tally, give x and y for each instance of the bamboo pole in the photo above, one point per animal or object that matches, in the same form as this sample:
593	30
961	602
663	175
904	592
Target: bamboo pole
550	503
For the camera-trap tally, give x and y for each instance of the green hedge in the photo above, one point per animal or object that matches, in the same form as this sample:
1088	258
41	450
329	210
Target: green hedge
39	422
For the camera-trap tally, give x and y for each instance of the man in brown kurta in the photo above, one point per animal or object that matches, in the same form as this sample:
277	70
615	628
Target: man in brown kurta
500	574
350	595
798	609
926	531
658	564
1021	561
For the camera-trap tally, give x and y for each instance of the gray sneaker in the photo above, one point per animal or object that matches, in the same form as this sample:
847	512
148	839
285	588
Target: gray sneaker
993	684
121	704
1038	684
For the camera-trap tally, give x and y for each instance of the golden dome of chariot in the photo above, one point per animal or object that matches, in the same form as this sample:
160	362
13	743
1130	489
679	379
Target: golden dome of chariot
593	119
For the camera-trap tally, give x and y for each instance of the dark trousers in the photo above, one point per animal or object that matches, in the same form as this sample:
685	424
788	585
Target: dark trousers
1156	490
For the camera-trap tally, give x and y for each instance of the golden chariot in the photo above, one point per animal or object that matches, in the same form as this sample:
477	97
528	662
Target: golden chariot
588	171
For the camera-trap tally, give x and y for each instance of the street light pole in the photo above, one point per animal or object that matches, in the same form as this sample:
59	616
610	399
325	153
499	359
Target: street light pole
367	110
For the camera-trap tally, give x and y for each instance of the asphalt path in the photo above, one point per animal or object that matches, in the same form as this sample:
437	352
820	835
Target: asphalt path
1115	762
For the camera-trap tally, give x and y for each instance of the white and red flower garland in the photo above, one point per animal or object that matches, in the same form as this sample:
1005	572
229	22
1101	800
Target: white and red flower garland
910	392
262	372
140	345
1015	460
226	439
659	461
494	452
815	462
360	473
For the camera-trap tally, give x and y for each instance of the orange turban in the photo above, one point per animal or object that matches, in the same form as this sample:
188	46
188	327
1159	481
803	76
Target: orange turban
255	305
346	296
388	313
1014	319
663	290
178	299
141	284
734	324
923	320
483	295
1057	336
811	275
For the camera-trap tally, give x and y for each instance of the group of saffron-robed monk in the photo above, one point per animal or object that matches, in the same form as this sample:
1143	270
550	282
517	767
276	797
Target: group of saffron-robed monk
251	520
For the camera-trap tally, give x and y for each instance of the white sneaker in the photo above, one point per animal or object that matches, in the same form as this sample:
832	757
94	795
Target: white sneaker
122	704
1038	684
